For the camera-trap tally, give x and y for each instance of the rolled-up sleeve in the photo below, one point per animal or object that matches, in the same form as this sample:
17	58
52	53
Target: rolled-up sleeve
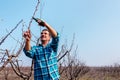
30	53
54	43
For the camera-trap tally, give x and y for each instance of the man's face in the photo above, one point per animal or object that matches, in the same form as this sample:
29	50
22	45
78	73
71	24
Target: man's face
45	36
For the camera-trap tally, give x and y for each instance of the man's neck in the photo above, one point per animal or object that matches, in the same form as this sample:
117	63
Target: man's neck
44	43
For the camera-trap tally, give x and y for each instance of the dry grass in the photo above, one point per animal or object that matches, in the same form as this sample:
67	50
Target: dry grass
9	74
94	73
98	73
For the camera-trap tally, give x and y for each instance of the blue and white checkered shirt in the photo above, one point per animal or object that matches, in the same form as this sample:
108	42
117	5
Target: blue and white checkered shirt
45	60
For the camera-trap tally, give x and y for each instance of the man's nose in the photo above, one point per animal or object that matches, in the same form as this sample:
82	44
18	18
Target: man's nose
42	34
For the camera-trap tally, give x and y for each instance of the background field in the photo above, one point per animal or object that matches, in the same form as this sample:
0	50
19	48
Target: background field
87	73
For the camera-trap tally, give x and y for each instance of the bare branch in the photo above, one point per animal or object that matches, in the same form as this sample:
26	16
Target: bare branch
67	51
13	37
7	61
34	13
10	33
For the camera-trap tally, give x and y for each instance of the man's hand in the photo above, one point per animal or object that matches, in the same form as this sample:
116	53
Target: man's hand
41	23
27	35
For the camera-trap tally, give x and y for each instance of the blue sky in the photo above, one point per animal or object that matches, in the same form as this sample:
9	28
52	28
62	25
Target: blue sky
96	24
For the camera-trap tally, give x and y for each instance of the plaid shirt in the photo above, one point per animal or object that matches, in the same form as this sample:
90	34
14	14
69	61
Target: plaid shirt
45	60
